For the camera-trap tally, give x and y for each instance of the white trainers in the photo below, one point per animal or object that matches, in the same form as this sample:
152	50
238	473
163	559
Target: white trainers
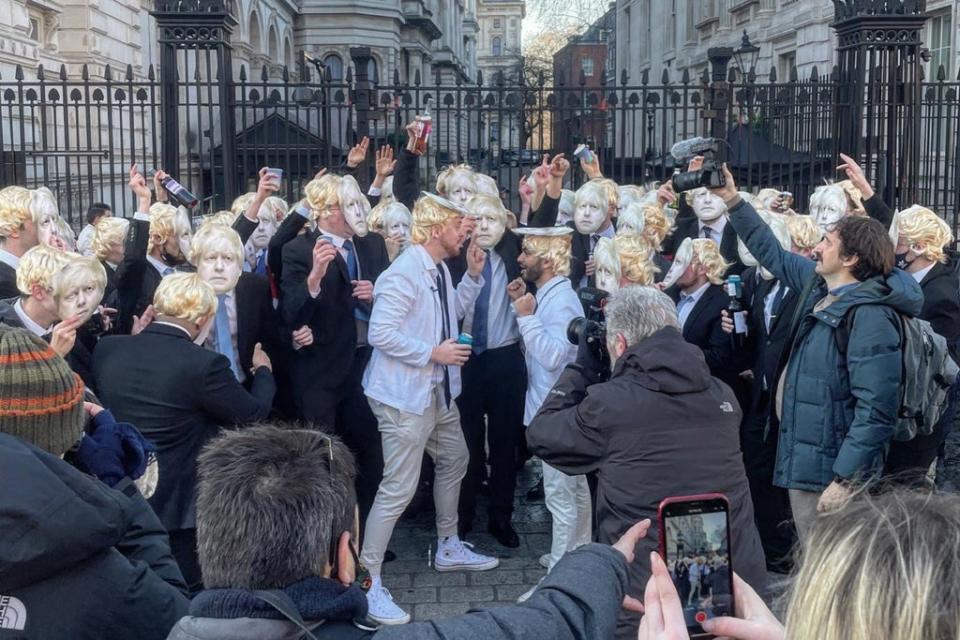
382	609
454	555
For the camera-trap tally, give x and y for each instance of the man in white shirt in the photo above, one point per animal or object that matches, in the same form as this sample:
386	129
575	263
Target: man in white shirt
543	322
412	381
95	214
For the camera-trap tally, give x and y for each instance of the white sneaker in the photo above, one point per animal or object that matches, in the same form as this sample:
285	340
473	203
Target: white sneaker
382	609
454	555
545	561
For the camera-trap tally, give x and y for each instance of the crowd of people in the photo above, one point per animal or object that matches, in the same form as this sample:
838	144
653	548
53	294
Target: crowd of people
211	433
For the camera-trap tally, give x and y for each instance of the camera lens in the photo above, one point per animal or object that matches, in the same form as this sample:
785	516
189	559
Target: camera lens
573	330
687	180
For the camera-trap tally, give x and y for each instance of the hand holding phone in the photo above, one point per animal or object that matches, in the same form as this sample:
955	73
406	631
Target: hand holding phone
695	546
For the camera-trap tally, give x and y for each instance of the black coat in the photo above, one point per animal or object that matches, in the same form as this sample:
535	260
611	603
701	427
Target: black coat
546	216
136	279
179	395
508	249
330	315
82	560
941	305
704	328
257	320
690	228
8	282
660	427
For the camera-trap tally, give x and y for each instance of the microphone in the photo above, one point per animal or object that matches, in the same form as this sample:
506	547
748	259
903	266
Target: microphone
685	150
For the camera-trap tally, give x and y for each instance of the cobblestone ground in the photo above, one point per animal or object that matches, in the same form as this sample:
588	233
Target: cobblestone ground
427	594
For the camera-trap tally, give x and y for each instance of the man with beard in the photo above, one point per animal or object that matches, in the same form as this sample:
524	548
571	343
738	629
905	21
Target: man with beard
153	250
411	383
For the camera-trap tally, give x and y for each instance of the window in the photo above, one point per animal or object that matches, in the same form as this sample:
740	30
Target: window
496	47
371	71
335	65
35	31
496	23
785	64
939	40
586	64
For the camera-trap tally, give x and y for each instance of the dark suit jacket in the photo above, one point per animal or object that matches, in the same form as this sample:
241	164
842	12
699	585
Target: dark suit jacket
546	216
508	249
703	328
257	320
690	228
8	282
330	315
941	304
136	279
179	395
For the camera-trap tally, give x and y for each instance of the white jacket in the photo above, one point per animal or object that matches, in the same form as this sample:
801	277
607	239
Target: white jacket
405	327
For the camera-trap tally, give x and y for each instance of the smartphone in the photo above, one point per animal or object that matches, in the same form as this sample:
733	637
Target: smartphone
695	545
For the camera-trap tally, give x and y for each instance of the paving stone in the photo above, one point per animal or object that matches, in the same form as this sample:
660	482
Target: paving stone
466	594
436	611
497	576
414	596
510	592
437	579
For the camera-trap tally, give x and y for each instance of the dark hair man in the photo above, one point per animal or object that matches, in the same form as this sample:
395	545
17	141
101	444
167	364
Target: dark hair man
835	411
276	510
95	214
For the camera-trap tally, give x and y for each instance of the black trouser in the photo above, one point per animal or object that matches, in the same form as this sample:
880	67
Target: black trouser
183	548
345	407
494	386
771	504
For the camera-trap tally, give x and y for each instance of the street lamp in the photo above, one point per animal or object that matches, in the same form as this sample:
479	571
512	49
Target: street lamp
746	54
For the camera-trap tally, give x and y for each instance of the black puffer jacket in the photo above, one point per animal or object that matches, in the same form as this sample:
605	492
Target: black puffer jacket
660	427
78	559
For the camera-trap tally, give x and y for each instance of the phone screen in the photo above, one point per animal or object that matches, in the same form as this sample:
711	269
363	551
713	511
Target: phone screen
696	545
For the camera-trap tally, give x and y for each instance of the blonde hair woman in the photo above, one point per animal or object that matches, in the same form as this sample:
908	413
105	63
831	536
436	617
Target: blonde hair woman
883	567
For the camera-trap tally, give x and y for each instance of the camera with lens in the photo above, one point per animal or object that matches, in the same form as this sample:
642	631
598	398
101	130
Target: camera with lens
710	175
594	324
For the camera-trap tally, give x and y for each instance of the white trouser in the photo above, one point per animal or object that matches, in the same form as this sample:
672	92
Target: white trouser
405	436
568	499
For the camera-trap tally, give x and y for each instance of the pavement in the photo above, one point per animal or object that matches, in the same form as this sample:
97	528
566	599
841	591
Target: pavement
428	594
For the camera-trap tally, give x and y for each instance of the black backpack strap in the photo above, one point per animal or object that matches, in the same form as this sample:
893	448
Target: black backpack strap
282	603
842	331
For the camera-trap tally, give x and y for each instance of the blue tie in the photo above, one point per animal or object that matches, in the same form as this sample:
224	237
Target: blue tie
261	263
354	272
482	308
224	343
167	271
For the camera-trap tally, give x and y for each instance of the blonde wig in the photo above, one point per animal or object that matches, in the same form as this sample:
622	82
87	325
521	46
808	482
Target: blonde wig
767	196
445	176
612	190
635	256
38	266
629	194
277	206
220	218
163	222
568	201
240	203
594	190
375	221
43	204
185	296
322	194
854	198
427	215
707	253
631	220
804	231
480	205
14	209
108	232
606	258
656	226
926	231
553	249
486	185
215	237
78	270
880	567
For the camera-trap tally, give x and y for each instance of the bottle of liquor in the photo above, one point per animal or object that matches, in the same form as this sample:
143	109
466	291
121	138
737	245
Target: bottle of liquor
180	193
424	126
736	312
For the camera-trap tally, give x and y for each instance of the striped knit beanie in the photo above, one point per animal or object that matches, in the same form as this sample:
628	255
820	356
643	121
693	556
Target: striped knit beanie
41	399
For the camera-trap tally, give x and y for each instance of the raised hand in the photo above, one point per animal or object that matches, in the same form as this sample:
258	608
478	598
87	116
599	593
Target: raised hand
559	166
475	260
142	322
65	335
525	190
855	174
138	184
385	162
592	168
268	184
158	177
323	254
358	152
666	194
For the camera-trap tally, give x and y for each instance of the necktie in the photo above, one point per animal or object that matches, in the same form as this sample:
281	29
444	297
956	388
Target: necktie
261	262
481	309
224	342
353	269
442	292
775	307
706	232
167	271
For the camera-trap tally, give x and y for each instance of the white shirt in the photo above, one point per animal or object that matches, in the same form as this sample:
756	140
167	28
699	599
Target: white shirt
502	327
768	303
28	322
159	265
407	323
609	232
683	310
546	348
716	228
920	275
85	240
9	259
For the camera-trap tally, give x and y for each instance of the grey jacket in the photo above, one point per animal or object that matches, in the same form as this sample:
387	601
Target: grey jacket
579	599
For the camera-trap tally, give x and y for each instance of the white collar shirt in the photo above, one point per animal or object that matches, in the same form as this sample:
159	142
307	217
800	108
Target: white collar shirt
687	302
28	322
9	259
920	275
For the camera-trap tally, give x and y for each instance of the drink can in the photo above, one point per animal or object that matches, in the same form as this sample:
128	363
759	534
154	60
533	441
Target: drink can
583	153
465	338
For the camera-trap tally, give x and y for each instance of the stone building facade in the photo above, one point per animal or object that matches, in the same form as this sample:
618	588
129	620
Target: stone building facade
498	51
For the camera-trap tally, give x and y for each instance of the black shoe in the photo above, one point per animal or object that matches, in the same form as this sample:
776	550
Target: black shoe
536	491
464	527
504	533
389	556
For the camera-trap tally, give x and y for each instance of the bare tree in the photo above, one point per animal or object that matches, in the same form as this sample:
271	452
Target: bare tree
578	14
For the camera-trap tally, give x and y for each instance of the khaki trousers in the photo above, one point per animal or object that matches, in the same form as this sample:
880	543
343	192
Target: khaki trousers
405	437
804	507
